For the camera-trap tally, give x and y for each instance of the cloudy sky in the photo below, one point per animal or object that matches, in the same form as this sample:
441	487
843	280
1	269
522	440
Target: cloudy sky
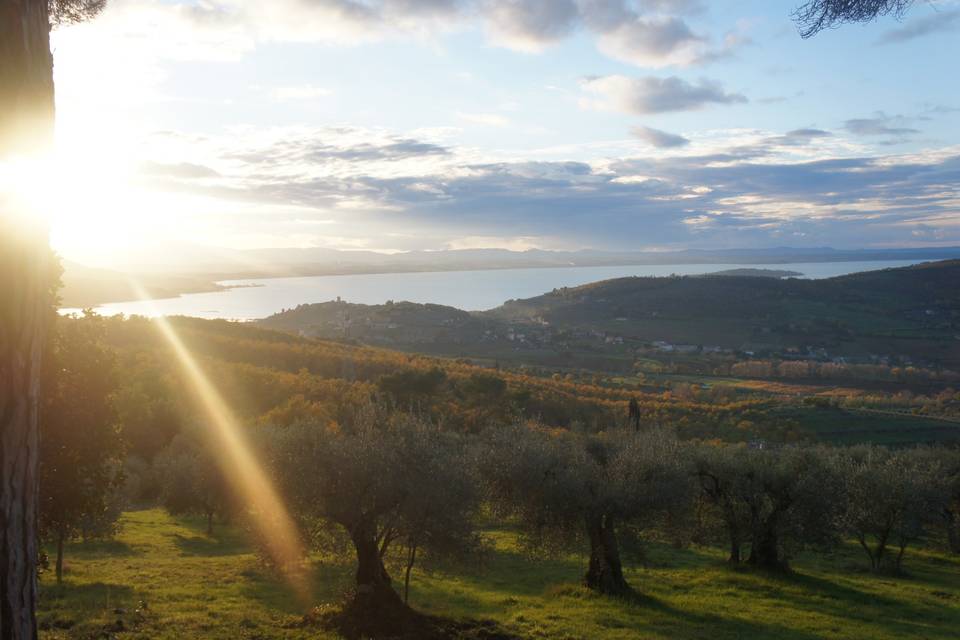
428	124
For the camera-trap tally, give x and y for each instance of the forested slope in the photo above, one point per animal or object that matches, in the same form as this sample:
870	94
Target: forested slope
913	311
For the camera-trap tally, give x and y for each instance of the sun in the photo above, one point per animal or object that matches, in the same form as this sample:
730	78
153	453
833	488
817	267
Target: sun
93	204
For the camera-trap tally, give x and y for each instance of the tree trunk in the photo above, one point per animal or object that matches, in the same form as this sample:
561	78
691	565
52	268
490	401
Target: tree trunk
26	76
953	530
605	571
374	588
866	548
880	550
26	124
411	558
734	559
765	550
898	565
25	311
209	523
60	537
734	530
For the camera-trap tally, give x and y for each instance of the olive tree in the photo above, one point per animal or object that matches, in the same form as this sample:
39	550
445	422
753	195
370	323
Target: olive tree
892	498
388	480
191	481
722	490
564	486
778	499
81	447
437	514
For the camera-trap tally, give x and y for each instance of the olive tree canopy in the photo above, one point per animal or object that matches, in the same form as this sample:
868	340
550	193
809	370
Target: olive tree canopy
387	480
564	486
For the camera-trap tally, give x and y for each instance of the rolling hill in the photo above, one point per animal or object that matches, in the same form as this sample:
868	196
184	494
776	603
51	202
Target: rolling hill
912	312
909	315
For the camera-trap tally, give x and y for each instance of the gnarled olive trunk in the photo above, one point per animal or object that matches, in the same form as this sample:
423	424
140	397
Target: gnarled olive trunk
735	533
374	588
877	554
765	550
605	572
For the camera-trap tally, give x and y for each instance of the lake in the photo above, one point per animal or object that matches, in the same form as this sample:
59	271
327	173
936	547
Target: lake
470	290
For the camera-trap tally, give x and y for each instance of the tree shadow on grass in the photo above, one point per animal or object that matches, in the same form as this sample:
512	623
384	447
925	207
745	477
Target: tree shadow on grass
681	623
637	612
89	595
90	610
205	546
93	549
64	606
225	539
328	582
512	575
843	602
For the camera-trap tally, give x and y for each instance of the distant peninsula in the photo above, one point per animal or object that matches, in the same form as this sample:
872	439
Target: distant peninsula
757	273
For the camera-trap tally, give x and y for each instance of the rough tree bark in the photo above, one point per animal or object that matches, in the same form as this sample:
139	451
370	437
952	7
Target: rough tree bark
26	76
24	315
374	587
605	571
26	124
765	550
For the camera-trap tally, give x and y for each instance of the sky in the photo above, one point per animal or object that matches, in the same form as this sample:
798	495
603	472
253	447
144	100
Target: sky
394	125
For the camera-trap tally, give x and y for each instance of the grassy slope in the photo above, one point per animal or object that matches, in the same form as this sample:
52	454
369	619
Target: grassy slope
200	587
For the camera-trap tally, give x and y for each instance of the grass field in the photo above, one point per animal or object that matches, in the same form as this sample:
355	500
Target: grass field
840	426
199	586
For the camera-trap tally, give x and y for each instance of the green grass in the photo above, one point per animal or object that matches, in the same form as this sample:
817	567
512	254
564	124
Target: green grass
197	586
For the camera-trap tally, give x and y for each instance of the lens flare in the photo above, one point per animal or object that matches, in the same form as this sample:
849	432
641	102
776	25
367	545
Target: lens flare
274	524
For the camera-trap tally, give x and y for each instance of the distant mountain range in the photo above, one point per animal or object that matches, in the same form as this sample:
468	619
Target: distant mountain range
318	261
88	287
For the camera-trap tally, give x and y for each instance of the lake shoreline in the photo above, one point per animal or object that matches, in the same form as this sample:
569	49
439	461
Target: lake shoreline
474	290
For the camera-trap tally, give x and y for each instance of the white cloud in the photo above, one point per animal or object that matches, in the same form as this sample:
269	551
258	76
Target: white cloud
653	35
650	94
659	139
750	187
530	25
658	42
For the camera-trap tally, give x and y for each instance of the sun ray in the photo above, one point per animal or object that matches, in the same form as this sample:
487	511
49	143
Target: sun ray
241	467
